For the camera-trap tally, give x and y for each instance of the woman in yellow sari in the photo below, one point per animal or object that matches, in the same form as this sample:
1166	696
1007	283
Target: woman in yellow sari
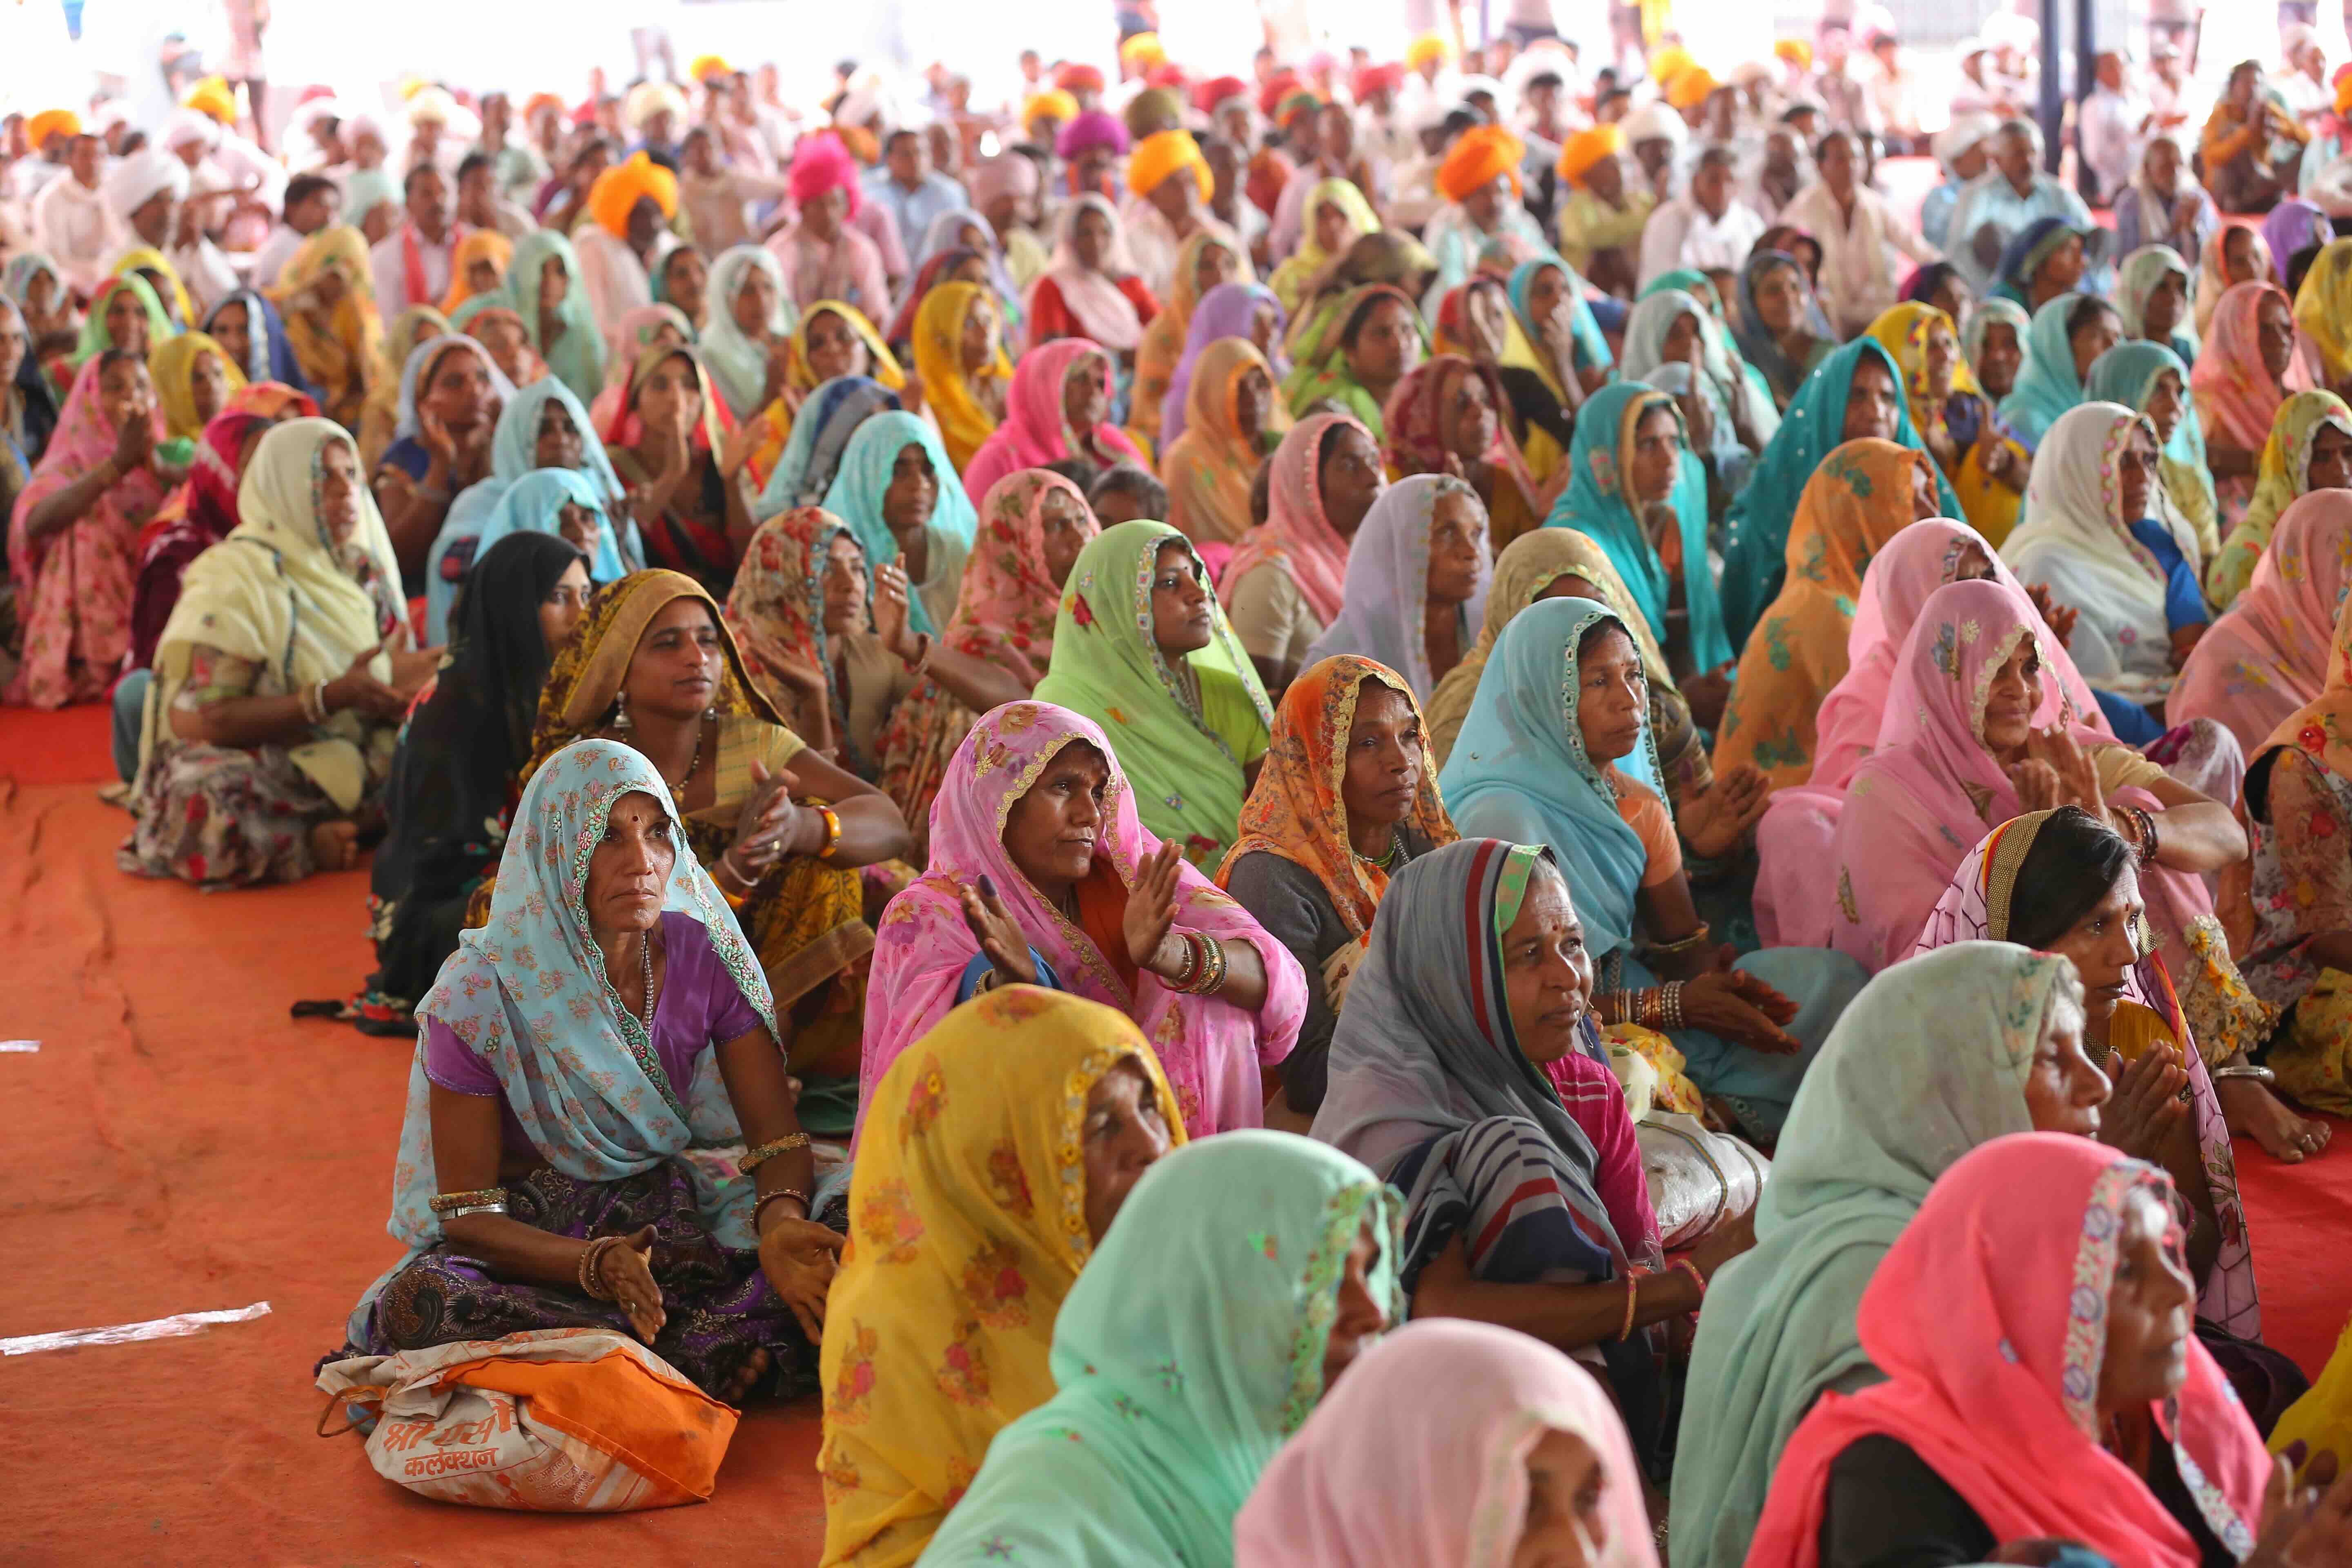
477	266
162	277
379	419
1003	1142
1988	470
833	339
1863	495
1202	262
1336	215
328	295
652	664
960	355
195	379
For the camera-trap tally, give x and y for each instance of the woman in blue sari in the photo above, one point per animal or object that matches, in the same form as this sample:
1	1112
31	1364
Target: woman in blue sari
900	496
812	455
1541	289
1857	392
250	328
2134	375
2067	334
1613	480
1739	419
1556	751
542	426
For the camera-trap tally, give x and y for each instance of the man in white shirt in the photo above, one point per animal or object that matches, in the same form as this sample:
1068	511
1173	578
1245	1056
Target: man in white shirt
2114	127
1704	228
1860	234
479	206
72	223
414	263
148	192
312	202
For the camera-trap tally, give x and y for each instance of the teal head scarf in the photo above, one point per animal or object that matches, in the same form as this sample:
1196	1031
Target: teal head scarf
1956	1030
2127	374
1756	563
577	358
527	993
1591	347
1191	1347
94	339
2047	384
2141	274
1183	732
856	496
1600	465
533	504
1520	772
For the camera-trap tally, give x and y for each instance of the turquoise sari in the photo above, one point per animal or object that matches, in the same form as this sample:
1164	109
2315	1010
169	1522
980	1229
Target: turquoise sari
2127	374
2046	383
1520	773
1591	347
1594	504
856	496
577	358
1755	563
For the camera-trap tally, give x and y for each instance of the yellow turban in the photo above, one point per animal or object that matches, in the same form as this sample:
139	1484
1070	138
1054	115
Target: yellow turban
1053	101
1690	86
1481	153
705	66
615	194
1668	62
1427	49
1796	51
1142	52
51	122
1587	148
212	95
1158	156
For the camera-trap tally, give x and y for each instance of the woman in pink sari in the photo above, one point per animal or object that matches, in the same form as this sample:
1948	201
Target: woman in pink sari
2019	1342
1286	578
1794	837
1057	408
1041	874
74	535
1977	732
2244	370
2267	655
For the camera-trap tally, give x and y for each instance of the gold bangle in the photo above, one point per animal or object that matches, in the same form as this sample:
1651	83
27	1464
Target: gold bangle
754	1158
832	832
1681	945
442	1203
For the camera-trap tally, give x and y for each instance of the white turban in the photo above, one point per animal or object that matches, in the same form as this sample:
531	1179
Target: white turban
1654	121
1960	135
187	125
139	178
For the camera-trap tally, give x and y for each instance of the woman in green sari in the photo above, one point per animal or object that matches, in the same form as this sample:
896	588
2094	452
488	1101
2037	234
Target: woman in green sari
1355	353
1141	647
1242	1275
543	287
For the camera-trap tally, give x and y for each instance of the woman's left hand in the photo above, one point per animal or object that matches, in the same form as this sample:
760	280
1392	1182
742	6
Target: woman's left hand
2078	775
1151	912
2055	615
800	1257
740	443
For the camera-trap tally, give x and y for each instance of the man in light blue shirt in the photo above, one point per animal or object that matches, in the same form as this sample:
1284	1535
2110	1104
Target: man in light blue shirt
1999	204
911	191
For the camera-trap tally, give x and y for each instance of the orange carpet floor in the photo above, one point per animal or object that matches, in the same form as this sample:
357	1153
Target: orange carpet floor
178	1145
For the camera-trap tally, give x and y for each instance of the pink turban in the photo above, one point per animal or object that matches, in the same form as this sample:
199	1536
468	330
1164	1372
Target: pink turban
820	163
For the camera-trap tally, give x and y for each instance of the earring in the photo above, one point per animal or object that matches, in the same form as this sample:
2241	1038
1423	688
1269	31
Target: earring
621	711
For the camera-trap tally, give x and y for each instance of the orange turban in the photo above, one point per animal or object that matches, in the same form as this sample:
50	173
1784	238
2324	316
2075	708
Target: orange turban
212	95
1587	148
1691	87
1481	153
615	194
1428	48
1163	154
1053	101
707	66
1796	51
51	122
1078	76
540	100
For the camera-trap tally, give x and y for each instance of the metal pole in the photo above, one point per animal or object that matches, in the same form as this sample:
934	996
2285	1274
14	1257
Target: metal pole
2054	88
2086	55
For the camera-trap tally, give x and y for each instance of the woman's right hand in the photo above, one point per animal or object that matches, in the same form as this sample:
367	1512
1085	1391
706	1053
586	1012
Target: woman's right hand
1724	1243
356	689
134	443
767	822
627	1271
1715	820
1000	934
1742	1009
2149	1102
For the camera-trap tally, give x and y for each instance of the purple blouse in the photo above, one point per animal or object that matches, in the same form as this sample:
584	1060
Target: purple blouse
700	1005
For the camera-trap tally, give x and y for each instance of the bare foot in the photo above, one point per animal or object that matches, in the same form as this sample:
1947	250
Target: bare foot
746	1378
2251	1109
335	845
